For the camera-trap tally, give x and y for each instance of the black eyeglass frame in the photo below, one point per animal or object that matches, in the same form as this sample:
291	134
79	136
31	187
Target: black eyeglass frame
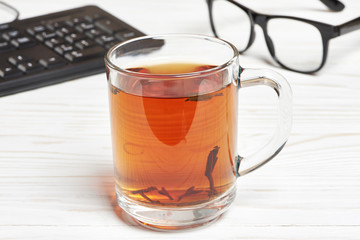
327	31
10	9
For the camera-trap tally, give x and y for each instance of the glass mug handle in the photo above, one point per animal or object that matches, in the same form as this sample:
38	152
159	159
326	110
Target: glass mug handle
254	77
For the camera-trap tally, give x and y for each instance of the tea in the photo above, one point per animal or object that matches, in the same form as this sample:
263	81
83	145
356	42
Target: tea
174	142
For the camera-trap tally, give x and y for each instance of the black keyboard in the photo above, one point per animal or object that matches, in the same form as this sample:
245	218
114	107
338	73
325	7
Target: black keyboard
57	47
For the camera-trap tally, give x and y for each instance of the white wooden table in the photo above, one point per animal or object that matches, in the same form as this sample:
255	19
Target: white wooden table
56	173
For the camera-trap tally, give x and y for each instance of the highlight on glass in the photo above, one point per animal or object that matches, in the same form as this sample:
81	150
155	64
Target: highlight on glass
296	44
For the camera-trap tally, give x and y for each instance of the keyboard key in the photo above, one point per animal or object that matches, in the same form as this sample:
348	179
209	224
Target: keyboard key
45	35
52	62
10	35
84	44
85	54
94	17
35	30
53	42
16	60
74	37
64	48
9	72
55	25
82	27
30	66
103	39
125	35
63	31
75	21
93	33
5	46
109	26
22	42
4	27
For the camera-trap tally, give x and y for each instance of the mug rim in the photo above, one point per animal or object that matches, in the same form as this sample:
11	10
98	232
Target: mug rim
110	64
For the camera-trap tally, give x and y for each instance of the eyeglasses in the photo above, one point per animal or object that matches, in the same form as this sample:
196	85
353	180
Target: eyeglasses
296	44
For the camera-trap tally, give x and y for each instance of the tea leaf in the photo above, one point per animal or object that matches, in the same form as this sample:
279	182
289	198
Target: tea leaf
139	69
210	165
147	198
211	161
189	191
203	97
149	189
166	193
143	191
114	90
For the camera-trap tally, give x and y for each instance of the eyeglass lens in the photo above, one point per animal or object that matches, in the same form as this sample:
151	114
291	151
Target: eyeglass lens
297	45
231	24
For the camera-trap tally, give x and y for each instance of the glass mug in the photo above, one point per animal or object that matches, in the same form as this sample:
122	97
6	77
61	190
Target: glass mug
173	107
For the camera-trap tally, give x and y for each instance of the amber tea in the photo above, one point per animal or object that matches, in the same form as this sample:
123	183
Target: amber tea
174	145
174	127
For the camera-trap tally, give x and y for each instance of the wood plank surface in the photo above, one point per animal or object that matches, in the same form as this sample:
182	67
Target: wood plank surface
56	171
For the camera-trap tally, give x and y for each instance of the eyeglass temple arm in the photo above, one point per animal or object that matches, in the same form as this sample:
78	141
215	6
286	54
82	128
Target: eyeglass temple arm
11	8
334	5
350	26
